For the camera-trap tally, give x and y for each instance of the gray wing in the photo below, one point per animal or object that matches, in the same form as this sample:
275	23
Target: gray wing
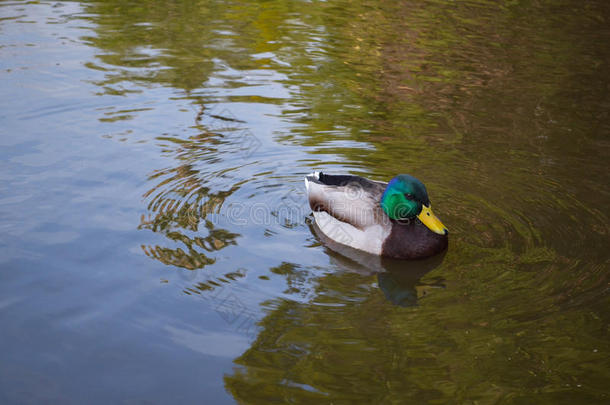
350	199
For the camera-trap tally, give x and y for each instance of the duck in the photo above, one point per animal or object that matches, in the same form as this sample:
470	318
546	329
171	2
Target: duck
393	219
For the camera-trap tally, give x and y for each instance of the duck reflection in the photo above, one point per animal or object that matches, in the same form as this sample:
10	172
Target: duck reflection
342	332
399	280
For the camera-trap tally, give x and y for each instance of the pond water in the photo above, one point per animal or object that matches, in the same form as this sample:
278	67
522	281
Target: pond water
155	243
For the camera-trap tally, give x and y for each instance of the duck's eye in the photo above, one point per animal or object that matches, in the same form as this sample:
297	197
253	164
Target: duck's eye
409	196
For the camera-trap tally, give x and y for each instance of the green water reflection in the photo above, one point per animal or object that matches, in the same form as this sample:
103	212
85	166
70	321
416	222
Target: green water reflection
500	107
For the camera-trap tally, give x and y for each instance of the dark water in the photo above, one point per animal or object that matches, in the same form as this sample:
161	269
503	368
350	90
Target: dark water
154	242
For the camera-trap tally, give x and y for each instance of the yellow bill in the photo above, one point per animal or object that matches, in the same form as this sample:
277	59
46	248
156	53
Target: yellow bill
431	221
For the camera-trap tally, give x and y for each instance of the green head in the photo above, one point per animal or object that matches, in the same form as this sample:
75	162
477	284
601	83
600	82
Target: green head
406	197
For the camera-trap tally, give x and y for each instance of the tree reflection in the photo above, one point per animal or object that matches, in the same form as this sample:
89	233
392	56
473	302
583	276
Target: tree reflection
478	99
181	200
154	42
345	342
441	88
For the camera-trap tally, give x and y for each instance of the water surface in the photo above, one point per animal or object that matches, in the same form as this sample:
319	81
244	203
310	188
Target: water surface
155	244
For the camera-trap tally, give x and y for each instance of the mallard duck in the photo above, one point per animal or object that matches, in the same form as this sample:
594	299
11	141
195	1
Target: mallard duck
391	220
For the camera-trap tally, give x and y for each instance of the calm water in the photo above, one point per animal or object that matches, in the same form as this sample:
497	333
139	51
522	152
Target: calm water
155	244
